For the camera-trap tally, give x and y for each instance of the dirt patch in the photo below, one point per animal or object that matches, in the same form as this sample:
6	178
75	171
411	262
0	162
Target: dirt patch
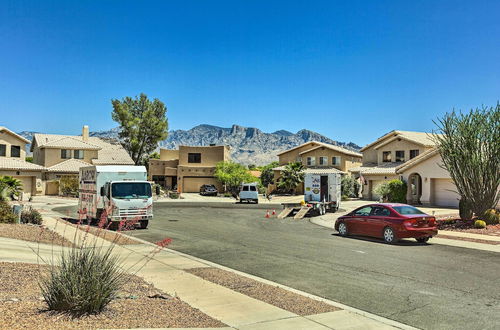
108	235
32	233
140	305
468	239
270	294
468	227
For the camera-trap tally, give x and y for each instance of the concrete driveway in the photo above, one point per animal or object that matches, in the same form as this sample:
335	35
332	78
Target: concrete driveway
426	286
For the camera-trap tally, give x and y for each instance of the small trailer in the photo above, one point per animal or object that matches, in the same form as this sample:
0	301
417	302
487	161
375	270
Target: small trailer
322	193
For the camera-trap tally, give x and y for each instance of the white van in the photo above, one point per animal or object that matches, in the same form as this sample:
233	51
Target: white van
249	193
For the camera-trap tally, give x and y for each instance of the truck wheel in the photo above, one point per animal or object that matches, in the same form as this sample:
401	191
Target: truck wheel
256	201
144	224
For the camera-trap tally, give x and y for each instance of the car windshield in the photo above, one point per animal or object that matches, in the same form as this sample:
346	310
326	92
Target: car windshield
405	210
130	190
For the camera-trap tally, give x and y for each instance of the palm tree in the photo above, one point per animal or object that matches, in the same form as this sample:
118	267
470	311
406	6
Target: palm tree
291	176
9	187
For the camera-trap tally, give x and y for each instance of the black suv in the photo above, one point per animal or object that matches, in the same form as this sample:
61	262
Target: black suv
208	190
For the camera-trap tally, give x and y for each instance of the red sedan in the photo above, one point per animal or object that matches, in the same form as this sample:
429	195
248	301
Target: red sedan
388	221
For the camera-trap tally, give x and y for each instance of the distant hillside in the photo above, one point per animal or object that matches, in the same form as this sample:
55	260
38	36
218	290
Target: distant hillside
248	145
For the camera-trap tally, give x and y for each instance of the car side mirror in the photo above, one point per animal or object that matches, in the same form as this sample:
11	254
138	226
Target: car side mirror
103	191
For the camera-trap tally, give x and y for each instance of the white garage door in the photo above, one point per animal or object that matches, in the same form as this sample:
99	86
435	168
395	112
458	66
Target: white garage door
444	193
375	183
193	184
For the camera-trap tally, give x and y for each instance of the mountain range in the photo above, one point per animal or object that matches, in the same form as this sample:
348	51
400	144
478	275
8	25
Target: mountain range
249	145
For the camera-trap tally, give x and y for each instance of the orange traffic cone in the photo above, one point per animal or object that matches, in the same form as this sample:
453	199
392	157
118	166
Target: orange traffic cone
267	214
274	212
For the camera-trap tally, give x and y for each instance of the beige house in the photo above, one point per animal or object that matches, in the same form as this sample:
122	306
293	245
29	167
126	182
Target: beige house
316	155
63	155
13	163
187	168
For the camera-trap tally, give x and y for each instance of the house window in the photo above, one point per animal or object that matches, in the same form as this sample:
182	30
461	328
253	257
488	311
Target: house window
336	160
194	158
386	156
78	154
414	153
400	156
3	150
323	160
311	161
65	154
15	151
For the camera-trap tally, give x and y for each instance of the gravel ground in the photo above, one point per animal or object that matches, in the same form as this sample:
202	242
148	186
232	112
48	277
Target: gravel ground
272	295
140	305
32	233
108	235
468	227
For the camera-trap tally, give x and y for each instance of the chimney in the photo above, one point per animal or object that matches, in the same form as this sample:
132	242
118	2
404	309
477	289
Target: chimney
85	133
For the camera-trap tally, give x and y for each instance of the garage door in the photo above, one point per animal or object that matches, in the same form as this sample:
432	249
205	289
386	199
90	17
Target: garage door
193	184
444	193
376	183
27	182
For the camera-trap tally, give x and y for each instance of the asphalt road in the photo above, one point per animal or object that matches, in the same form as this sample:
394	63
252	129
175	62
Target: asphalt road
426	286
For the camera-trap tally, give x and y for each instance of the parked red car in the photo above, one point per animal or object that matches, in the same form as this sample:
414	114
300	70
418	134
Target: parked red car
388	221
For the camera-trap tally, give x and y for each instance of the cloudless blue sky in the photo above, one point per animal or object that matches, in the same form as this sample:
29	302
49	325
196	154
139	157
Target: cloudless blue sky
351	70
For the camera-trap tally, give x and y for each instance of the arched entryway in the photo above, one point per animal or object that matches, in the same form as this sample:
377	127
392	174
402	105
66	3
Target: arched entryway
414	189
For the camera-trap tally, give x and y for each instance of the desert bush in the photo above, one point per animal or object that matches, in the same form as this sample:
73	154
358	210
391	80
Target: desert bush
349	186
31	216
491	217
465	209
479	224
173	195
6	214
84	281
393	191
69	185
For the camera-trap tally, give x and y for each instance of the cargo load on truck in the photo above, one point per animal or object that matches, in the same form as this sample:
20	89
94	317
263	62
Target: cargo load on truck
115	193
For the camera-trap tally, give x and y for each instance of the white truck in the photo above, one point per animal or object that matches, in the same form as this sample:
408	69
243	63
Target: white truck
322	190
117	192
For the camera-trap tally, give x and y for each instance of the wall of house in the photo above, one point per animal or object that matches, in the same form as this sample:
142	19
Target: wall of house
397	146
35	177
293	155
52	156
210	156
157	166
346	161
10	140
201	172
168	154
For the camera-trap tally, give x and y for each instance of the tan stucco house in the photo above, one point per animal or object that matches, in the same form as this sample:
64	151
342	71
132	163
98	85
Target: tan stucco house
13	163
63	155
314	156
187	168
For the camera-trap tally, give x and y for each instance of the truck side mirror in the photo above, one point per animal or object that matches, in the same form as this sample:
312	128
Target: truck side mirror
103	191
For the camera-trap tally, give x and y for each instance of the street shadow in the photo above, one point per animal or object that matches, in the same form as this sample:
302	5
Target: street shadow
402	242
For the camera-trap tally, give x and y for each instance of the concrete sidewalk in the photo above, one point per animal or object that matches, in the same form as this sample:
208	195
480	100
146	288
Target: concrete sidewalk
166	271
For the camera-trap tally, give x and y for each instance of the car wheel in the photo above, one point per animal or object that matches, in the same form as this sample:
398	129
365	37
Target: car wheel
422	240
343	229
389	235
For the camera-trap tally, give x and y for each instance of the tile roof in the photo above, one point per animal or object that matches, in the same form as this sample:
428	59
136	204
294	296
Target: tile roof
314	170
327	145
385	168
421	138
110	154
417	160
2	128
62	141
7	163
68	166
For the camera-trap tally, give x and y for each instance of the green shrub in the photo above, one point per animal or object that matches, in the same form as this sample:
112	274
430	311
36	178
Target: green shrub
393	191
491	217
69	185
31	216
173	195
6	214
479	224
349	186
465	209
84	282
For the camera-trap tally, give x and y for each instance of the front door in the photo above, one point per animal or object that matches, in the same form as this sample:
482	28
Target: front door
324	188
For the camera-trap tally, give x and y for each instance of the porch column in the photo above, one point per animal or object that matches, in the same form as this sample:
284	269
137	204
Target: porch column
426	191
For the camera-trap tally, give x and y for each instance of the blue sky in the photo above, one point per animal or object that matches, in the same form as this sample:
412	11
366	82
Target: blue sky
351	70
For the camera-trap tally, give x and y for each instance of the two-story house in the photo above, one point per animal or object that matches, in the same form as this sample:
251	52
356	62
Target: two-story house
13	163
382	158
187	168
63	155
317	157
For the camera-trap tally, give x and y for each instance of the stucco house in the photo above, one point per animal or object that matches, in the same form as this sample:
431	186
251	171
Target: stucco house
314	155
13	163
63	155
187	168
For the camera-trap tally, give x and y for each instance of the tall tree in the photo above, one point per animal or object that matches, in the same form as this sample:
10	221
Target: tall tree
143	123
267	175
469	145
291	176
232	175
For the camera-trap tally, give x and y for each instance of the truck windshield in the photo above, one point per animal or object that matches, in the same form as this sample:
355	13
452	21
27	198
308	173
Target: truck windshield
129	190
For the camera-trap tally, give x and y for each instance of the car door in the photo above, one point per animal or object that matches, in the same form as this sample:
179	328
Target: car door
377	220
357	222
